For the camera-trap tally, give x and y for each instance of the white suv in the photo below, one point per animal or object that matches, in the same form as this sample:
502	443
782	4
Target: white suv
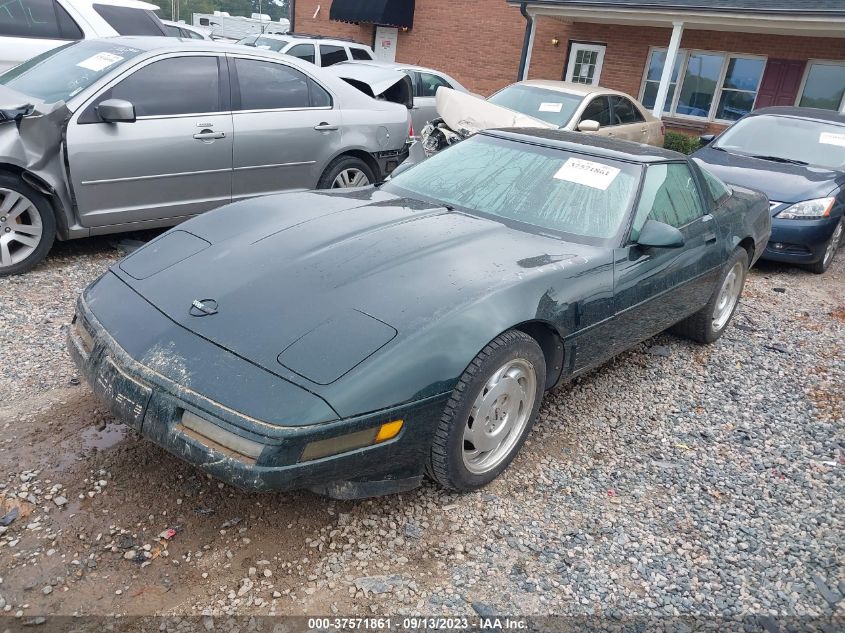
31	27
322	51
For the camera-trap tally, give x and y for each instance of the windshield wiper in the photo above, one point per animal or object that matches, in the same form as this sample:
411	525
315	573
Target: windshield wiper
780	159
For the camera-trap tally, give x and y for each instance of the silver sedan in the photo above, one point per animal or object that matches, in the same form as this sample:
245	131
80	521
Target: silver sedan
110	135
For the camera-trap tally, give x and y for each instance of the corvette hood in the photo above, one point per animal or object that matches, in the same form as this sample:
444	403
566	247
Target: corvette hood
309	285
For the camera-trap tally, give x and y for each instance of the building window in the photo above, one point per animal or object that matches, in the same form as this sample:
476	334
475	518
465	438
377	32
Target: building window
739	89
713	86
652	79
824	86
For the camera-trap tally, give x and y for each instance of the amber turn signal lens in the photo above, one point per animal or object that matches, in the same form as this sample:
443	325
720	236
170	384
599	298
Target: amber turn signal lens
389	430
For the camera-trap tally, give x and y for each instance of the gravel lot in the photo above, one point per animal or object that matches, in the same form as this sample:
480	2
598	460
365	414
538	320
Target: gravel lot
675	480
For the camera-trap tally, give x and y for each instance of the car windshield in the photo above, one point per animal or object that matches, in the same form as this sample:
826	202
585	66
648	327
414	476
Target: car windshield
787	140
270	44
550	106
61	73
550	189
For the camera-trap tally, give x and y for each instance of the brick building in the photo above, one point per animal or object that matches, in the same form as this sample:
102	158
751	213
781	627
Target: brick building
724	56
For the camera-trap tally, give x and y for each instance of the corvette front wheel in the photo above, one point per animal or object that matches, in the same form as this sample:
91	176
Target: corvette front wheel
489	414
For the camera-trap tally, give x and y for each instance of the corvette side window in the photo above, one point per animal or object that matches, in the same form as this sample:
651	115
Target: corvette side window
717	188
669	195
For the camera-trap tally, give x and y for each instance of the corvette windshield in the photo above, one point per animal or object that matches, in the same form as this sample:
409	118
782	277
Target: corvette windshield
551	189
61	73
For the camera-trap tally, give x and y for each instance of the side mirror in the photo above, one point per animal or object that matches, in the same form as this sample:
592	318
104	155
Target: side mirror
588	125
656	234
706	139
116	111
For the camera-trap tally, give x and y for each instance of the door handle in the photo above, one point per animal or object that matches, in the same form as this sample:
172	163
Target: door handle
325	127
710	238
209	135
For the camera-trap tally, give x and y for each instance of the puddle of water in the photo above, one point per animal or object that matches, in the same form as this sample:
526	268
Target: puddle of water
105	439
92	440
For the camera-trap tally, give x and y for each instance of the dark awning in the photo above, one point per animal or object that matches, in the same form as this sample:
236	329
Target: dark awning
398	13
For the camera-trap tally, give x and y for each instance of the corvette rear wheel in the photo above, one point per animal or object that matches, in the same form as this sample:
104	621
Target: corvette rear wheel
708	324
489	414
27	226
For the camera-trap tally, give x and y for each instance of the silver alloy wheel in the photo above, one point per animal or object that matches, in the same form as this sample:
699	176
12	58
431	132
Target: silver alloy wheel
728	296
20	227
835	239
350	178
499	416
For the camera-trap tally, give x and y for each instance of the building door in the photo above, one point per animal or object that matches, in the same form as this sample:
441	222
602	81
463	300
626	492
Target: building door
585	62
780	83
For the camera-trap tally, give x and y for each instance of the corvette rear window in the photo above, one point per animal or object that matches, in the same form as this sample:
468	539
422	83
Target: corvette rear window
550	189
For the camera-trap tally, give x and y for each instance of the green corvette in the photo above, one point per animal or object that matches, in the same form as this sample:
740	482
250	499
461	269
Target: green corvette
353	342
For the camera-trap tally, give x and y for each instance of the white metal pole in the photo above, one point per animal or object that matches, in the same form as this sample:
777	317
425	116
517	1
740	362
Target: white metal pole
668	68
530	48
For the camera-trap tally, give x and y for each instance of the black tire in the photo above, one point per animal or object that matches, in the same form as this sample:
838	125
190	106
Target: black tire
446	463
699	327
45	215
343	163
823	264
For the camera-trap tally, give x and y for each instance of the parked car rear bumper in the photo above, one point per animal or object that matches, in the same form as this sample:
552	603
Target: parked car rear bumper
148	403
390	160
799	241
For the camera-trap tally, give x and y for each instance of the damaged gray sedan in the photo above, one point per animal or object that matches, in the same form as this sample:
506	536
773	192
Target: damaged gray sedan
119	134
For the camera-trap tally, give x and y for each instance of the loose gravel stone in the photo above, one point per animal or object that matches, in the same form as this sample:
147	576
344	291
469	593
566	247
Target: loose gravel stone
675	480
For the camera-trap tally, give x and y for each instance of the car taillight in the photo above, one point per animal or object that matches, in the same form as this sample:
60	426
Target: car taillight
410	128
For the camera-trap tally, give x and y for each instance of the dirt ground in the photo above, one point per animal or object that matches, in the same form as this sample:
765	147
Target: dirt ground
94	498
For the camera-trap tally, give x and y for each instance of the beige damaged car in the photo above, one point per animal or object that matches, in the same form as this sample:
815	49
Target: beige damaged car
542	104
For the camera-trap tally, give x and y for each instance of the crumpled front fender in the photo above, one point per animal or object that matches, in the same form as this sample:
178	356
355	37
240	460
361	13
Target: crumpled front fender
31	137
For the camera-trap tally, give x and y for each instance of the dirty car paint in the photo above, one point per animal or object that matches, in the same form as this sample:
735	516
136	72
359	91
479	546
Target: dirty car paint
416	287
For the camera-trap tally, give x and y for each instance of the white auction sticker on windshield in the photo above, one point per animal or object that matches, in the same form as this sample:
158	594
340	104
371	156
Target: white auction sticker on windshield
831	138
550	107
100	61
587	173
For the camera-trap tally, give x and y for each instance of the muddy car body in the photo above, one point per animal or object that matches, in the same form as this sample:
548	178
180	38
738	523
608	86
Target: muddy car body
349	341
119	134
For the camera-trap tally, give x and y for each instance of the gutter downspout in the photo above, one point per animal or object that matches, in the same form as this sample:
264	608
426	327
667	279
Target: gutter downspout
526	42
292	14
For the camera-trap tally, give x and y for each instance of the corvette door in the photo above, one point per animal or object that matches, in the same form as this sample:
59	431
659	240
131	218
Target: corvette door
174	160
655	288
286	127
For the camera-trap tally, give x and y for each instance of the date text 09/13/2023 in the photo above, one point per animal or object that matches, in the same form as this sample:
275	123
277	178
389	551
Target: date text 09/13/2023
418	623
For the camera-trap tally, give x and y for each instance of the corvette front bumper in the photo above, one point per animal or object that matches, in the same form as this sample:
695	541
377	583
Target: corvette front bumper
237	448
